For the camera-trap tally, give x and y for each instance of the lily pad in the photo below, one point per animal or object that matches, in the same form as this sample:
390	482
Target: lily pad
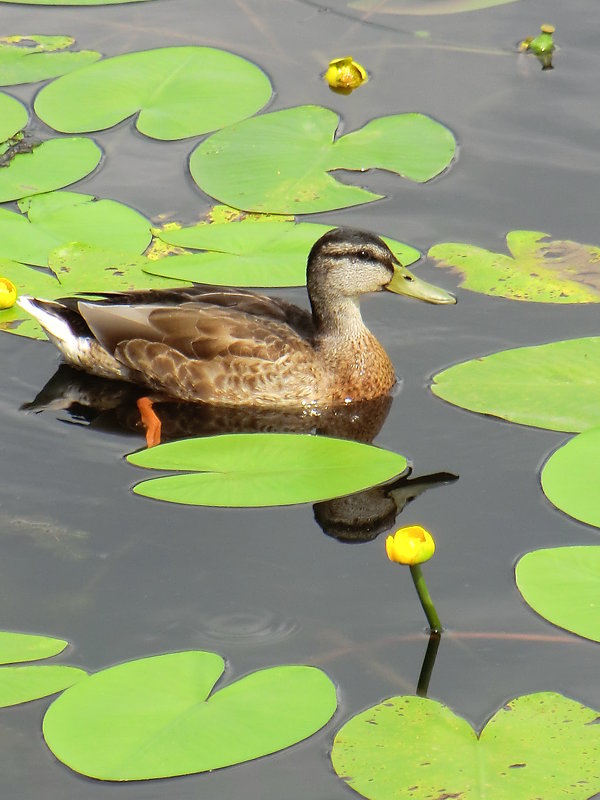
178	92
554	386
71	2
15	647
28	59
571	477
51	165
562	585
424	7
156	717
249	253
268	469
537	745
280	162
13	116
23	684
543	271
58	218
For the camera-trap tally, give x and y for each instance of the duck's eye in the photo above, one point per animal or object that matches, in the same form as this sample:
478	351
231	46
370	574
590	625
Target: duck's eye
364	255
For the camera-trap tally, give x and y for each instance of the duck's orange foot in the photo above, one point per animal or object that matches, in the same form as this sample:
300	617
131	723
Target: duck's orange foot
150	421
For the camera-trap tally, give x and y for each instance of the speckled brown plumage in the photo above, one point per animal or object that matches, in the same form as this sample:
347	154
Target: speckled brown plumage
233	347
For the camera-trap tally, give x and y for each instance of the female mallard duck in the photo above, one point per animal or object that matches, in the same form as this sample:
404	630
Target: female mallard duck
233	347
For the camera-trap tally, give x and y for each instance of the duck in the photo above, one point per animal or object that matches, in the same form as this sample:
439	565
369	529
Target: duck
233	347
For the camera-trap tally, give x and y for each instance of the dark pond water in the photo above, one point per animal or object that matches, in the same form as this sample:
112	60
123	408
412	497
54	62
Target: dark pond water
121	577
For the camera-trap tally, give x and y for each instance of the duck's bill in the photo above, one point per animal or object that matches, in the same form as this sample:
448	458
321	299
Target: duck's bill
404	282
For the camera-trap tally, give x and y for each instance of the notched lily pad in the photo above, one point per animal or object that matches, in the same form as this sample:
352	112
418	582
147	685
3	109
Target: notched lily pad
537	745
562	585
27	59
158	717
178	92
249	253
281	162
269	469
540	269
554	386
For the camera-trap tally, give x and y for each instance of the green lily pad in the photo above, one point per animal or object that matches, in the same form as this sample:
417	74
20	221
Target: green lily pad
58	218
543	271
554	386
280	162
23	684
571	477
15	647
71	2
50	165
424	7
539	745
156	717
249	253
13	116
28	59
178	92
268	469
562	585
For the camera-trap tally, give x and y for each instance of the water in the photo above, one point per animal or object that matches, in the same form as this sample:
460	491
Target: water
121	577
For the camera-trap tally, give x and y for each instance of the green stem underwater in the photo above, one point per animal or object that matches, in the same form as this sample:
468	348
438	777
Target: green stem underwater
435	626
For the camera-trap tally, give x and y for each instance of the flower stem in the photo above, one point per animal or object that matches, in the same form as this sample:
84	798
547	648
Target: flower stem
435	626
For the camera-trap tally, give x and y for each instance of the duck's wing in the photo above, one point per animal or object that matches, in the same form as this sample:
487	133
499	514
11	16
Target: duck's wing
195	351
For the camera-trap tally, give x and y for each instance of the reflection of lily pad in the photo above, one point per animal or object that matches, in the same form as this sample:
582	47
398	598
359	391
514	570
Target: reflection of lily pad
249	253
51	165
13	116
268	469
27	59
280	162
156	717
571	478
545	271
178	92
553	386
563	585
424	7
537	745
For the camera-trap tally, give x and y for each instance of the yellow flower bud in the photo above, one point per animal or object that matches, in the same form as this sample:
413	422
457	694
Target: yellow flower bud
8	293
344	75
410	545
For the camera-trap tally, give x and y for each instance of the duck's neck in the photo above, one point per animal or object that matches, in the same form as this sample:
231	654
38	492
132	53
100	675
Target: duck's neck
342	318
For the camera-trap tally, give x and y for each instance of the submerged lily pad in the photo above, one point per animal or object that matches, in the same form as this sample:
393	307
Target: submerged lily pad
537	745
281	162
571	478
178	92
562	584
50	165
27	59
249	253
424	7
554	386
15	647
23	684
544	271
158	717
13	116
268	469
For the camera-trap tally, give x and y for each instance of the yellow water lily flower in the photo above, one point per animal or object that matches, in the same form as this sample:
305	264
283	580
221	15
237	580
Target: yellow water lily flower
344	75
410	545
8	293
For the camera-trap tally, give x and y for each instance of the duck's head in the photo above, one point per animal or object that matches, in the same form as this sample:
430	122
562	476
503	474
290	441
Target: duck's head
347	263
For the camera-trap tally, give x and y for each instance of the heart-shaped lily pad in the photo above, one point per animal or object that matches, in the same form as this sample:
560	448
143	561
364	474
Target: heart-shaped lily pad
268	469
178	92
27	59
554	386
13	117
156	717
540	270
280	162
571	477
536	746
249	253
563	585
50	165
